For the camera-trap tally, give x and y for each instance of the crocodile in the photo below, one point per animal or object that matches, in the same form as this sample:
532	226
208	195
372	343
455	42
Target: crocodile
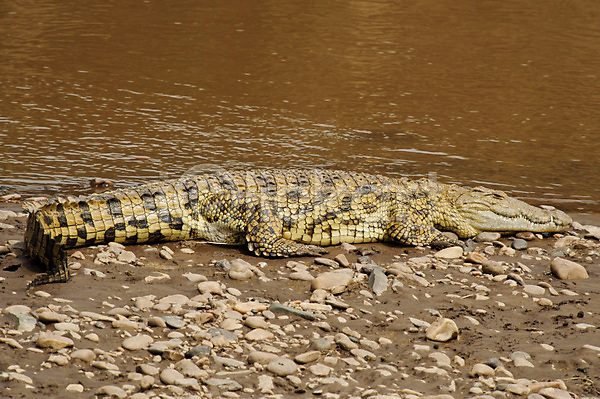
277	213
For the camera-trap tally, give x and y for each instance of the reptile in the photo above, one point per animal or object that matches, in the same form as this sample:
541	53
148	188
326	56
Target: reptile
277	213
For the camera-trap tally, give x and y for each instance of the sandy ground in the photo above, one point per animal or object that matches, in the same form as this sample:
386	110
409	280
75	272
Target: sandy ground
495	317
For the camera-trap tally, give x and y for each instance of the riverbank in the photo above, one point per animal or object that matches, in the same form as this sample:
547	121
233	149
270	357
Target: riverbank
185	318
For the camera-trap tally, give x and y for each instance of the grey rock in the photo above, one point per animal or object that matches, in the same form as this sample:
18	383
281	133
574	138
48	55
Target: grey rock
320	344
519	244
213	332
494	362
228	362
278	308
282	366
223	264
378	281
170	376
224	384
198	350
174	321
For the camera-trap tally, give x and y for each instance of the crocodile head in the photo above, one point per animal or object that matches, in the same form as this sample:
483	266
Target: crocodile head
484	209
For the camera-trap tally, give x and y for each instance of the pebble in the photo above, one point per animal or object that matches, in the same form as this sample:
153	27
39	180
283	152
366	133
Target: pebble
265	384
492	267
334	282
342	260
249	307
75	388
165	254
487	236
476	257
526	235
258	334
53	341
195	277
378	281
321	345
140	341
210	287
278	308
261	357
480	369
111	391
170	376
282	366
307	357
534	289
224	384
568	270
189	369
449	253
344	342
240	270
127	257
442	330
327	262
49	316
174	321
87	355
320	370
519	244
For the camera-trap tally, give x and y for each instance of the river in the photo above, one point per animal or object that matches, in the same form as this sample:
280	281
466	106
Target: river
477	92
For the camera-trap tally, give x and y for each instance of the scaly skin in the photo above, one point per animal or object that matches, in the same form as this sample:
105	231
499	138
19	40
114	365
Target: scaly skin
277	213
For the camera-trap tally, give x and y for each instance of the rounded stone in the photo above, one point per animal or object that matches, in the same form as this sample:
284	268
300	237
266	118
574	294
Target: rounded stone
87	355
111	391
137	342
320	370
170	376
282	366
568	270
256	322
126	257
259	334
476	257
442	330
492	267
74	388
50	316
189	369
333	282
344	342
210	287
53	341
449	253
307	357
487	236
519	244
480	369
147	369
261	357
240	270
534	289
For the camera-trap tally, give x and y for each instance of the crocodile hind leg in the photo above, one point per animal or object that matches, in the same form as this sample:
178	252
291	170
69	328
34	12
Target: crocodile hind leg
410	232
264	236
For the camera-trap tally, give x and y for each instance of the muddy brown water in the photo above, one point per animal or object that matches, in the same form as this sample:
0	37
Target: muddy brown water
500	93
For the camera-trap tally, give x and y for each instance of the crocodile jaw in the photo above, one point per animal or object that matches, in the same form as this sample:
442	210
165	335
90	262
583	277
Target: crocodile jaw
485	209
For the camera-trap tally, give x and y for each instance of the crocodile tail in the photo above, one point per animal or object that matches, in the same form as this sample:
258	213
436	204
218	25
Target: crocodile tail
144	214
43	247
